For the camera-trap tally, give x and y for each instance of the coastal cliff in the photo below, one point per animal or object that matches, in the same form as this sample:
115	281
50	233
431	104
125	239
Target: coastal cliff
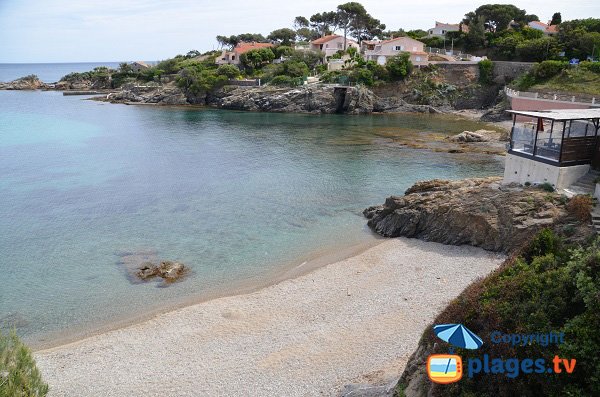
479	212
304	99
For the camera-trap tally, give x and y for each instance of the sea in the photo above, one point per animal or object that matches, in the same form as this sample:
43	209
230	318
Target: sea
239	197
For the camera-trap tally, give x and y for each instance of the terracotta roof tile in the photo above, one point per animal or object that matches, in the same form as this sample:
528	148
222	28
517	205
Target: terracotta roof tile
245	47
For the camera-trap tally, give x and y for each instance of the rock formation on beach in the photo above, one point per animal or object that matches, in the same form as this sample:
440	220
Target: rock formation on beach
479	212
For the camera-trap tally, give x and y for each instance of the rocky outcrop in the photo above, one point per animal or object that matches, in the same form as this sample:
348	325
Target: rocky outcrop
143	266
24	83
479	212
163	95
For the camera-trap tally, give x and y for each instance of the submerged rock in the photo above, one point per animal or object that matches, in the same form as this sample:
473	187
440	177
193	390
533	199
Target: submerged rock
468	136
143	266
479	212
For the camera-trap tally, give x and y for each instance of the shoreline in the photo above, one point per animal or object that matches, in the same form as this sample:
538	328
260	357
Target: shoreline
352	321
304	265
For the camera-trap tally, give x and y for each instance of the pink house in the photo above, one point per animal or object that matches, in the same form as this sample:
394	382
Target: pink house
331	44
381	51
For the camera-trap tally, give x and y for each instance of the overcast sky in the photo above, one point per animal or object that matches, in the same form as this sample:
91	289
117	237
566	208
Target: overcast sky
124	30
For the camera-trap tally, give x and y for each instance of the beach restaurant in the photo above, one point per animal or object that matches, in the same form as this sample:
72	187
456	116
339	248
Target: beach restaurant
553	146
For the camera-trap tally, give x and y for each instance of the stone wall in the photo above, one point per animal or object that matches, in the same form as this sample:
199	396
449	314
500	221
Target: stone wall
505	71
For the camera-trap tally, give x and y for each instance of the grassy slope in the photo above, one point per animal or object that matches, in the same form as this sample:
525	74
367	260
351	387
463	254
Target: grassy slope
572	81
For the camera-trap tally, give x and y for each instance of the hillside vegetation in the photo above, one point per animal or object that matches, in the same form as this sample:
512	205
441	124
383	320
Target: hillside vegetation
551	285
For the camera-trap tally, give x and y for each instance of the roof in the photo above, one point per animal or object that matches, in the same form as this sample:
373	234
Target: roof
552	29
561	114
141	63
447	25
330	37
325	39
540	24
391	40
245	47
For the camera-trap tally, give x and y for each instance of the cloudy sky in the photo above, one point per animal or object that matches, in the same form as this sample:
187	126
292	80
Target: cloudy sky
122	30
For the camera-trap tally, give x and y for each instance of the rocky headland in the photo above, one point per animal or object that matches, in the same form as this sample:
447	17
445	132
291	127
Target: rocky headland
480	212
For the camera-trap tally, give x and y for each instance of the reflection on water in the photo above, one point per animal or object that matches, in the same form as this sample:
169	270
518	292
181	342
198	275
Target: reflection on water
233	195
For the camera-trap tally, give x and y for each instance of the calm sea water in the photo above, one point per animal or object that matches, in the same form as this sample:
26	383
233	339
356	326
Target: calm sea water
234	195
48	72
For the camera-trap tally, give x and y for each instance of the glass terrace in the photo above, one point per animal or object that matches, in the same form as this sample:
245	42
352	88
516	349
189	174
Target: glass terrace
559	137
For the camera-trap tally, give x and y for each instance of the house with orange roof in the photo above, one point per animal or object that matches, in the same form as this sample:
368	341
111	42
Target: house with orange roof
546	28
380	51
331	44
233	57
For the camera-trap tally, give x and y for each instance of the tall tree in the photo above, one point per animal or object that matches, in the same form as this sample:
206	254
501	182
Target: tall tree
556	19
300	22
496	16
285	36
324	23
350	17
476	36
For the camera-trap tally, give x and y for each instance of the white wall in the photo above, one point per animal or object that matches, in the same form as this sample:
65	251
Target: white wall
520	170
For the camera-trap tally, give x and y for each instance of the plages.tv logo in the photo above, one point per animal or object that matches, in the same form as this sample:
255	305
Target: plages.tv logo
448	368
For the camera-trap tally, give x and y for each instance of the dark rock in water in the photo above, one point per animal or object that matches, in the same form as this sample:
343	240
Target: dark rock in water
147	270
143	266
479	212
171	271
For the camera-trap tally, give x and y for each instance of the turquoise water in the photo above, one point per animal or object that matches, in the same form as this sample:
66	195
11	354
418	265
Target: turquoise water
236	196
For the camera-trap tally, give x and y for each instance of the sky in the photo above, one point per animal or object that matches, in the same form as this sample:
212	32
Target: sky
150	30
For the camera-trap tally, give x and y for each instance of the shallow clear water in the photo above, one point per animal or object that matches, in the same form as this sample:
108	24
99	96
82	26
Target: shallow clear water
234	195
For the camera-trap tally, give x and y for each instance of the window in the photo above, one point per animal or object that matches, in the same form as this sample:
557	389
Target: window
398	48
418	59
233	57
443	32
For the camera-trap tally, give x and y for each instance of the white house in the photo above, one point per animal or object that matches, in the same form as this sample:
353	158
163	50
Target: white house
331	44
380	51
441	29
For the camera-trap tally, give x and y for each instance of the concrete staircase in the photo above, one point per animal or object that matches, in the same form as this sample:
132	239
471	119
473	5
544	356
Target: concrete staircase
586	184
596	219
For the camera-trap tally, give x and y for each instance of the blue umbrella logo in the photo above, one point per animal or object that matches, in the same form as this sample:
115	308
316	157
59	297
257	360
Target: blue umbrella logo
458	335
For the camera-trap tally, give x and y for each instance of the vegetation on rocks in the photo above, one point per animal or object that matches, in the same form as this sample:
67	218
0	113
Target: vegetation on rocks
19	376
552	284
559	76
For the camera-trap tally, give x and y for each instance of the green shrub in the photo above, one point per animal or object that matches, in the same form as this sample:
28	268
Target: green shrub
19	376
399	66
229	71
591	66
284	81
362	76
548	69
486	71
547	187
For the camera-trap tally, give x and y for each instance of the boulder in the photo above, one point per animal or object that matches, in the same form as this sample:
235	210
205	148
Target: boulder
143	266
479	212
31	82
468	136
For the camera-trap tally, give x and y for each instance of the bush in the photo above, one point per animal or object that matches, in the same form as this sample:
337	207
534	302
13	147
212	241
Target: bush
229	71
362	76
591	66
580	207
547	187
19	375
284	81
486	71
548	69
399	66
